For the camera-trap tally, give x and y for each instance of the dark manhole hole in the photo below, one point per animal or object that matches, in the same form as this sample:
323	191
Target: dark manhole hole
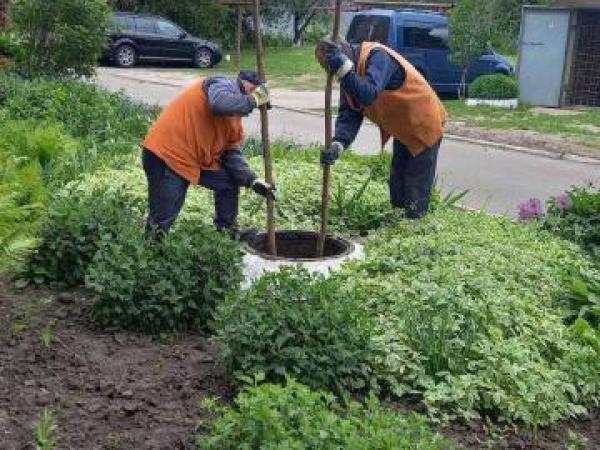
300	246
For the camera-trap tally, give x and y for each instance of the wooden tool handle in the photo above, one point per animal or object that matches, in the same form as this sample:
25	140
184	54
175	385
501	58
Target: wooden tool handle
326	185
264	122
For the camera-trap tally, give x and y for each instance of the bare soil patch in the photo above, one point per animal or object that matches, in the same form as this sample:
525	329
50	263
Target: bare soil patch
108	390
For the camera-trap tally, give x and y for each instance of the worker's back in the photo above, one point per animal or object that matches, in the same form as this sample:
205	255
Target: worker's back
189	138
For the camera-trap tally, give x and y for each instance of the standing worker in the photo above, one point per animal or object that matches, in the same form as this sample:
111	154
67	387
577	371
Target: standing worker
196	140
379	83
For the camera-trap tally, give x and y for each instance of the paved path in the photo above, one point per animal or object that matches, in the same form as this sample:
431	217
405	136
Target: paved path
497	179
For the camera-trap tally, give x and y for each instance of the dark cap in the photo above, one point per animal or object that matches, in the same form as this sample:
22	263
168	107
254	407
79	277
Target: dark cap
250	76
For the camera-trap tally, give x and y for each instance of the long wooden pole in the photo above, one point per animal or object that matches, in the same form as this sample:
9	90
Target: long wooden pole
326	187
264	122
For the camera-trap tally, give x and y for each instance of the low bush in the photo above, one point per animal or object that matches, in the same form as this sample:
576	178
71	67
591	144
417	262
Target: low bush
167	286
85	110
575	215
78	220
468	315
494	87
294	417
294	324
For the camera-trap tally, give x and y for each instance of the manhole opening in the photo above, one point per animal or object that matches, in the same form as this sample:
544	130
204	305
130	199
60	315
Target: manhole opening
300	245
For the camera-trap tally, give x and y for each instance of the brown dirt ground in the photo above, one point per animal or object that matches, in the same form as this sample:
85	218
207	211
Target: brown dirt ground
108	390
116	390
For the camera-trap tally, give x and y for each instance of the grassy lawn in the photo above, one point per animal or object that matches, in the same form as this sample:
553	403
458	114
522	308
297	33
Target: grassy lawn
293	68
583	126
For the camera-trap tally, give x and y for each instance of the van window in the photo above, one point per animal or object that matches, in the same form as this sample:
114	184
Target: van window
369	28
421	37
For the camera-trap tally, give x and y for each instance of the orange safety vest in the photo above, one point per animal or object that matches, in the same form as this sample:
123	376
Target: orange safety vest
413	113
189	138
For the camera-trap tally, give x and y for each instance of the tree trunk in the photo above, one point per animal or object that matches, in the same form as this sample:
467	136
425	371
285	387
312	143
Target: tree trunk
462	91
297	30
238	39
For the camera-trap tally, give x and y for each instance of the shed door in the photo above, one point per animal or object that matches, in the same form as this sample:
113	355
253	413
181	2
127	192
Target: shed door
543	46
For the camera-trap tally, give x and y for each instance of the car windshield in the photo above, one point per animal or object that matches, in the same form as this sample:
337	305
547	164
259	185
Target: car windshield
369	28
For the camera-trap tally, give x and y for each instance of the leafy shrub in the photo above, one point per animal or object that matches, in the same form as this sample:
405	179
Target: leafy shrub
294	324
78	220
84	109
61	37
293	417
169	286
494	87
575	216
493	343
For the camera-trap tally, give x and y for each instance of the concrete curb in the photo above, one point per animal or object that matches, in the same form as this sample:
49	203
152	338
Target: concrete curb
571	157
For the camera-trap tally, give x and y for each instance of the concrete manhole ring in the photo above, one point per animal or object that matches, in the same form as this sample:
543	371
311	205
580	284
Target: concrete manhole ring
297	248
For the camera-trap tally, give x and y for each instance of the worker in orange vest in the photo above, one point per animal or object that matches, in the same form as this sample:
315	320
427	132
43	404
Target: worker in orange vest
196	140
378	83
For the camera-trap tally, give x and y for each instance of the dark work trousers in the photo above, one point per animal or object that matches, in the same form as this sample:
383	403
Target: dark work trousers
412	178
167	191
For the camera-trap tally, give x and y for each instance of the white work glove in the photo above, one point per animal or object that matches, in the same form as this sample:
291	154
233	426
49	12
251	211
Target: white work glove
261	95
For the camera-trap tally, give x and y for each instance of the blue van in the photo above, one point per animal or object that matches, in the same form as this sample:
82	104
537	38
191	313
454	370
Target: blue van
422	38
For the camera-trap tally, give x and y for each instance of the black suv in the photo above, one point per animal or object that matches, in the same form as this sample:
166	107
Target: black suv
138	37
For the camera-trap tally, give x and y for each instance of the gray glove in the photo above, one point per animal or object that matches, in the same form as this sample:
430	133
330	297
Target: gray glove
330	155
264	189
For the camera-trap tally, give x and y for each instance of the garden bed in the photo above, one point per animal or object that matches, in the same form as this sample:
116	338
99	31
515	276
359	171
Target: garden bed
117	390
464	317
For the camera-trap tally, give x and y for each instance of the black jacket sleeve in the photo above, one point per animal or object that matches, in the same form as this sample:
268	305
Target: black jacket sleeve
234	163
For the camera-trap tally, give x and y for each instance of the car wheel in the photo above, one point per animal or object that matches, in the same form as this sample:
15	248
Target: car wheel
125	56
203	58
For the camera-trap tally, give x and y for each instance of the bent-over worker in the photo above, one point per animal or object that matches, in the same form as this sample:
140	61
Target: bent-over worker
379	83
196	140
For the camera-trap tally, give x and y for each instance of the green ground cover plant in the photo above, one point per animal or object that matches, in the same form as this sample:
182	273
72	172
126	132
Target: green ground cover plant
494	343
294	417
462	310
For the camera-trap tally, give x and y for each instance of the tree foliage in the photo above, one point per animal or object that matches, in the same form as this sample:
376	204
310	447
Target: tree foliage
60	37
302	12
471	24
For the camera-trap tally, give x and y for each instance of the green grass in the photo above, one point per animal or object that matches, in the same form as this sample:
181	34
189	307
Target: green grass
289	67
582	127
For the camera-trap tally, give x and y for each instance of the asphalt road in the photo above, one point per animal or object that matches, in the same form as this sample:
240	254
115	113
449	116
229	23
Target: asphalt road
497	180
